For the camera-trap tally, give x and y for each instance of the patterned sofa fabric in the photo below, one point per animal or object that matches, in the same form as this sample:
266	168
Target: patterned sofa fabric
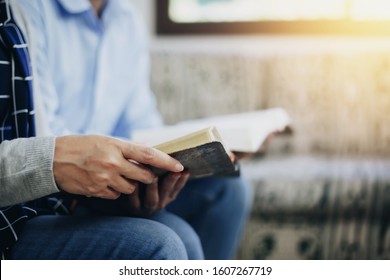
324	191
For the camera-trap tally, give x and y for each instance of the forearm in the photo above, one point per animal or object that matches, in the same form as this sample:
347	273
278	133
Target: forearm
26	169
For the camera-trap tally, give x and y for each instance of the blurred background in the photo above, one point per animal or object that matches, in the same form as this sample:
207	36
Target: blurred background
322	192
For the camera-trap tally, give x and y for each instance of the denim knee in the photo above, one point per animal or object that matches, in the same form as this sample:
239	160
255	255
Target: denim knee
242	191
160	242
97	237
186	233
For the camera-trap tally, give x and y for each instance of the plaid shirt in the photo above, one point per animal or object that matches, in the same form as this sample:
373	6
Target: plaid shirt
17	120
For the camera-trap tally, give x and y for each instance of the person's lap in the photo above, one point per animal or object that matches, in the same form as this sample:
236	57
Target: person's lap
215	208
97	237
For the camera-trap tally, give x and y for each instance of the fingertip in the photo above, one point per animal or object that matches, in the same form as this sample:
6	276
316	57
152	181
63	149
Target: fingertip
175	174
131	189
111	193
112	196
187	175
153	182
179	167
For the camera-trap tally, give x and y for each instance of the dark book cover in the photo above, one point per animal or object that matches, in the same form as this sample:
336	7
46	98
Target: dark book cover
209	159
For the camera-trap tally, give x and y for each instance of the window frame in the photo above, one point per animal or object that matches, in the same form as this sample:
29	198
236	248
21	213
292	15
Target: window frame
165	26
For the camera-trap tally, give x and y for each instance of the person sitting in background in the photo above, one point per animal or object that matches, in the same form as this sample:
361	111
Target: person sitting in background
93	73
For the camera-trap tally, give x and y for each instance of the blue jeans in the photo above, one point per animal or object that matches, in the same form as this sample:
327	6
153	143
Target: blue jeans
217	208
94	237
205	221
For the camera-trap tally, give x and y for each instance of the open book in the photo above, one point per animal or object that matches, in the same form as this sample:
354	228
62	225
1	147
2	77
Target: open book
203	145
244	132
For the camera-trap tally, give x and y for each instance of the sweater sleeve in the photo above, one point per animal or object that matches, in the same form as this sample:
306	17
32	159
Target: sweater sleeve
26	169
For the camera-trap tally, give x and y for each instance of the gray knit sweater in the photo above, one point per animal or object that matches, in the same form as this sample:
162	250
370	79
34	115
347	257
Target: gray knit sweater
26	169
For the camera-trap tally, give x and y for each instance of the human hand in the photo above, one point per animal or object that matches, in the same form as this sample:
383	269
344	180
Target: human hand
153	197
105	167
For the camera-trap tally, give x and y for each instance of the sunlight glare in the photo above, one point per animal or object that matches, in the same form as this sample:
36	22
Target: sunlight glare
187	11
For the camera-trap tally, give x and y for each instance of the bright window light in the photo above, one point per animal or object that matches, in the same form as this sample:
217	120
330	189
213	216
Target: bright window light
195	11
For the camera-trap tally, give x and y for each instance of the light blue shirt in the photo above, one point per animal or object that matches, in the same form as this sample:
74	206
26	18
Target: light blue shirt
93	72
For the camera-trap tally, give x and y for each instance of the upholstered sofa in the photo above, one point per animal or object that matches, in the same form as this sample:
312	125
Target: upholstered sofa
322	192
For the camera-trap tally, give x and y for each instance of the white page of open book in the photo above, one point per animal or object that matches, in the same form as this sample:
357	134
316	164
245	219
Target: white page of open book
244	132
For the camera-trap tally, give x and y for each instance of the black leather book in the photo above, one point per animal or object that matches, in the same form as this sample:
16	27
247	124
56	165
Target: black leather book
202	153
